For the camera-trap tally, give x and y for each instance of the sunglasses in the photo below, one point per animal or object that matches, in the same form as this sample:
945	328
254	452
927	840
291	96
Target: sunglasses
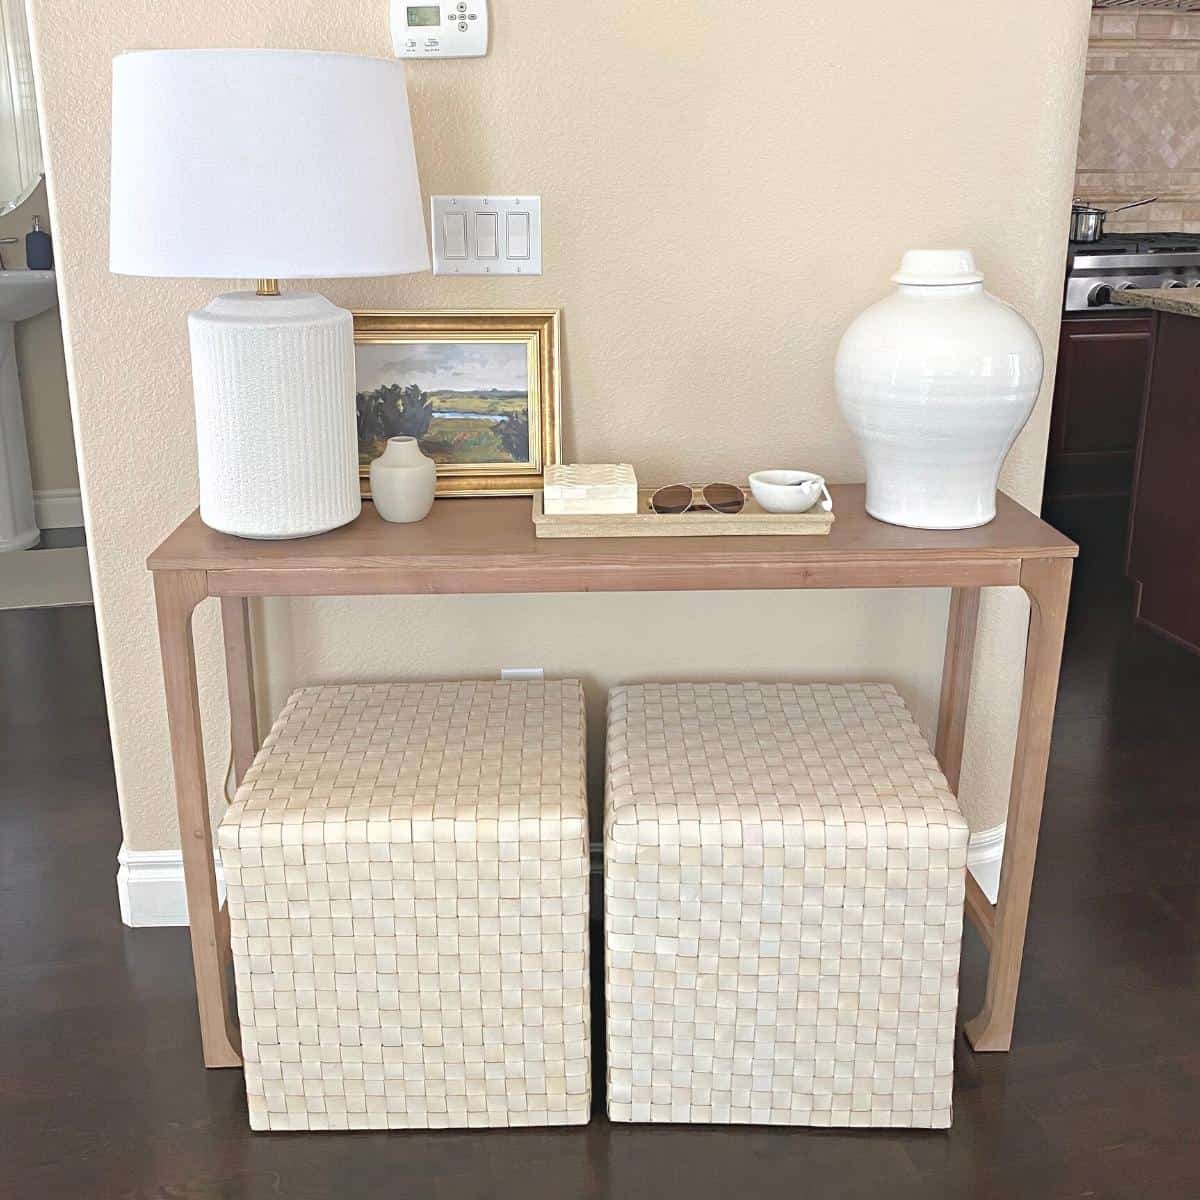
682	498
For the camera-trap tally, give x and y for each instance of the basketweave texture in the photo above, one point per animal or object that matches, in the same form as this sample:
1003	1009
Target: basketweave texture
407	870
784	884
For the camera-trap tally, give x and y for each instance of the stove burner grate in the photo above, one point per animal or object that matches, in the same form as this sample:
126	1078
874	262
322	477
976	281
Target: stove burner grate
1140	243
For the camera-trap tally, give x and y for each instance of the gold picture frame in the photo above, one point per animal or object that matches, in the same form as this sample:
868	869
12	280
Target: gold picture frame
407	391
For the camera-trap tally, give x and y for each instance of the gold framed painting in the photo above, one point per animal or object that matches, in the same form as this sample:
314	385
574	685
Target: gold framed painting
479	390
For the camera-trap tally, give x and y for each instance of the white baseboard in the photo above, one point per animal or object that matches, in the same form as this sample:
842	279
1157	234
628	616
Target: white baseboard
151	891
58	508
984	853
150	887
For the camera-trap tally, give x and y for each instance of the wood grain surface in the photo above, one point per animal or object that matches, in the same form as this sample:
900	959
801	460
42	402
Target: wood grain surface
494	535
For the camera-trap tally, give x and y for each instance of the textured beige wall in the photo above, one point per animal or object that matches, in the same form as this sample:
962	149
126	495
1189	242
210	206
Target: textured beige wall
43	371
717	209
1137	137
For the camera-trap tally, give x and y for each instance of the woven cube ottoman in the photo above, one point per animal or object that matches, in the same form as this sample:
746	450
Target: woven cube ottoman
784	884
407	871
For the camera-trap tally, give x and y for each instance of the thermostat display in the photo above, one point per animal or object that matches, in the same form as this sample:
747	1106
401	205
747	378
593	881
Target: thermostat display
451	29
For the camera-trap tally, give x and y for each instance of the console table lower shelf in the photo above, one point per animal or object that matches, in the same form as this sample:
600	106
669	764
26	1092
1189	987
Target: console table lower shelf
488	546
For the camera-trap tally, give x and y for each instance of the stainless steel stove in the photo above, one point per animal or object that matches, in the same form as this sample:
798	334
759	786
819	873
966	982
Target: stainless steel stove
1131	260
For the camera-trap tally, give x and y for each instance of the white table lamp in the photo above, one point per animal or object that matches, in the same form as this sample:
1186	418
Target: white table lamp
267	165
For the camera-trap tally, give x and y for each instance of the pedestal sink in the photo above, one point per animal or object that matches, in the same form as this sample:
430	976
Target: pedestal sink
23	294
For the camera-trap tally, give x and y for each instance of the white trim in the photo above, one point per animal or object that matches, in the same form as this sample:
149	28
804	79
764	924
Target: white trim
984	852
151	890
58	508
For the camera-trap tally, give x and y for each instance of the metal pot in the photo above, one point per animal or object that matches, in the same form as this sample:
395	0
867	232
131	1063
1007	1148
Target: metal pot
1087	221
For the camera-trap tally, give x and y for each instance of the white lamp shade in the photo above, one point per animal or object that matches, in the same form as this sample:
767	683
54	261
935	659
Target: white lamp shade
277	164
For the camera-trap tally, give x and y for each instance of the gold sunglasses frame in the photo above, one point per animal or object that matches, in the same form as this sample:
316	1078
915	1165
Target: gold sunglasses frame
697	490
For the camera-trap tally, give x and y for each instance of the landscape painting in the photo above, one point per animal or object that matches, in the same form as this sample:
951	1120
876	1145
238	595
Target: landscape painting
467	403
479	392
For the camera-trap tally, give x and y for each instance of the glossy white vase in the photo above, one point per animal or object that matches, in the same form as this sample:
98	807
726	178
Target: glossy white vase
403	481
936	381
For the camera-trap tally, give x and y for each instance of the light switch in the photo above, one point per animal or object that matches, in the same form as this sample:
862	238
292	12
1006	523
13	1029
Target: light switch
487	235
454	235
500	234
517	234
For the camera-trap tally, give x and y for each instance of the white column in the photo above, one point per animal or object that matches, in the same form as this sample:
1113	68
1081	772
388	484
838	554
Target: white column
18	528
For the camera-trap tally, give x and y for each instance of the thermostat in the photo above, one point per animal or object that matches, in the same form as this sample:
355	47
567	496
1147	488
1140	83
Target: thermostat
449	29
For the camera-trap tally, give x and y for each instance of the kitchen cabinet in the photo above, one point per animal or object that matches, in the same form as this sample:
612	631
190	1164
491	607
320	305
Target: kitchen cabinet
1103	367
1164	522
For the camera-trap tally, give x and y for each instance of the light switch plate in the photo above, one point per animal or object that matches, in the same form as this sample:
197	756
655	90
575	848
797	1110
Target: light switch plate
486	235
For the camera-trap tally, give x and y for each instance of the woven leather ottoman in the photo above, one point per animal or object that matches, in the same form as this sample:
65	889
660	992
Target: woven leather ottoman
407	870
784	883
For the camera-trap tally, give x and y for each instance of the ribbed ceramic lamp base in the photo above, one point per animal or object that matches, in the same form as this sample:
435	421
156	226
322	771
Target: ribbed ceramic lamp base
276	433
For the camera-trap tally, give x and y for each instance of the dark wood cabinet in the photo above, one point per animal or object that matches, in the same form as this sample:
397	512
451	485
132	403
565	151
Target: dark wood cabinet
1103	367
1164	520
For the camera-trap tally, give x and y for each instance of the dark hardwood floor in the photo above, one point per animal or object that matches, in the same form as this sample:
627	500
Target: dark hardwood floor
102	1093
67	538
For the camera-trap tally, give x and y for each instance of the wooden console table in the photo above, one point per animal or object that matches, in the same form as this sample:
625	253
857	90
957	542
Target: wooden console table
488	546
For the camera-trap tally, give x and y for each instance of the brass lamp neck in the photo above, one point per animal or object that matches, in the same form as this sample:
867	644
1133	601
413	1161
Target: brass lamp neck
268	287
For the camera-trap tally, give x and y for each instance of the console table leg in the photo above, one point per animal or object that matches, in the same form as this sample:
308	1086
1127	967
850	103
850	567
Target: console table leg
1048	584
239	670
176	595
956	682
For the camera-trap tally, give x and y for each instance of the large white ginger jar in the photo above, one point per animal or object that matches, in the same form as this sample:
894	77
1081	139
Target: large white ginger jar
936	381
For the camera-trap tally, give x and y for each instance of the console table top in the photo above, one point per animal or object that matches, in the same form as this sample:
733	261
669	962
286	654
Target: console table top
488	544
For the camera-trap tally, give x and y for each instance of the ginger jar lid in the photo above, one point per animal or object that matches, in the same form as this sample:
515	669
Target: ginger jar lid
938	268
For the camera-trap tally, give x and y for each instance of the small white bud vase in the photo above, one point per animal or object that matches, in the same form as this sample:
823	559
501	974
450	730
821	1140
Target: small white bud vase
403	481
936	381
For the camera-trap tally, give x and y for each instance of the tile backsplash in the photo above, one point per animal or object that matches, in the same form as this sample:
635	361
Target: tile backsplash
1140	134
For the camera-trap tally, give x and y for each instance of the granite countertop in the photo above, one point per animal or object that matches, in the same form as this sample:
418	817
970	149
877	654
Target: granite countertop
1185	301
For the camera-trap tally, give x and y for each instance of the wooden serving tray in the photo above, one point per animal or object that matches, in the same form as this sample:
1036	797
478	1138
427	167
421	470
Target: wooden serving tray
752	521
